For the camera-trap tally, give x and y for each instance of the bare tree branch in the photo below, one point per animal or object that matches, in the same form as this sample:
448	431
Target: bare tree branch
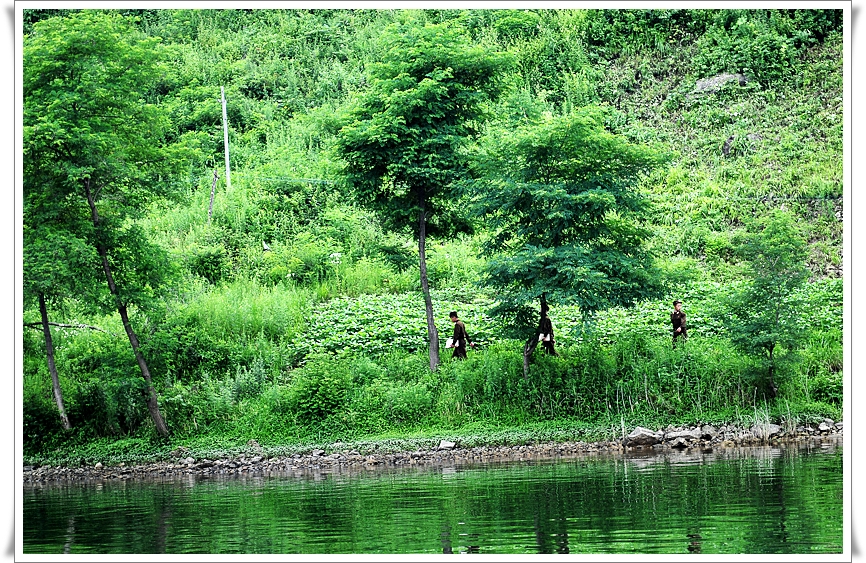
61	325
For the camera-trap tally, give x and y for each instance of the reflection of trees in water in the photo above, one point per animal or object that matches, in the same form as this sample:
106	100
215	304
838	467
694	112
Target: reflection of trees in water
675	501
70	534
162	527
551	535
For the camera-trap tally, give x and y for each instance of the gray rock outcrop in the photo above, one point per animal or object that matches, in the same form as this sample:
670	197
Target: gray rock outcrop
708	432
642	437
715	83
690	434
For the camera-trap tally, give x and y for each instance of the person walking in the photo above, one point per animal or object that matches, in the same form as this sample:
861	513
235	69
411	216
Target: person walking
460	339
678	320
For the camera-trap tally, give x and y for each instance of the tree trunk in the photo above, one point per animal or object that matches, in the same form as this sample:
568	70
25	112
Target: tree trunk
528	349
152	404
52	368
432	333
771	371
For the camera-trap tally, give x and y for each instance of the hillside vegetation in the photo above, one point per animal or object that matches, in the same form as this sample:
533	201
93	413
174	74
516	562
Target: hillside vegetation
288	308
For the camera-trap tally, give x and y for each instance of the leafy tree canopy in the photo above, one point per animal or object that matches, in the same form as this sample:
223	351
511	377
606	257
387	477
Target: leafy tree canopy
86	110
766	312
402	136
88	122
559	197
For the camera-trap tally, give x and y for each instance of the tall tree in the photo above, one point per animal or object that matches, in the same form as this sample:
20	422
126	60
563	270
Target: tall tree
56	264
766	312
402	138
93	142
558	194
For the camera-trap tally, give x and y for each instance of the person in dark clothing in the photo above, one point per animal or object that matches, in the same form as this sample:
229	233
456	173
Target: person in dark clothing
546	335
678	320
460	339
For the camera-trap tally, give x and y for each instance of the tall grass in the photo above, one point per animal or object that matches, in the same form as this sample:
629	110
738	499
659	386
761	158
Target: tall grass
636	381
243	309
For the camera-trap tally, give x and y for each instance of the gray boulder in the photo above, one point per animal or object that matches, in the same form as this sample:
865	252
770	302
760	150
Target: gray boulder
764	431
446	445
642	437
680	442
708	432
690	434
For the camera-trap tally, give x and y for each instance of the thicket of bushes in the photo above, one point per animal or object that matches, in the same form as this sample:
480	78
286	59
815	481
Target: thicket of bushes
357	367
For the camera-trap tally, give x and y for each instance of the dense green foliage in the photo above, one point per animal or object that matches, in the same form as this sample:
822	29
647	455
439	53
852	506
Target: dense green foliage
293	315
559	202
767	310
401	140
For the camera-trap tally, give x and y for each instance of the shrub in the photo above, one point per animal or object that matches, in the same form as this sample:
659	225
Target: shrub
516	24
762	44
211	400
311	259
454	263
365	370
244	308
129	404
369	406
548	386
94	353
615	32
814	412
90	409
249	380
469	381
408	404
319	389
279	399
41	421
177	409
363	276
502	366
827	388
406	367
209	262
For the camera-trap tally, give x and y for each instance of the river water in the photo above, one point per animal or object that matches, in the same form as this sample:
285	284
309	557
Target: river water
760	500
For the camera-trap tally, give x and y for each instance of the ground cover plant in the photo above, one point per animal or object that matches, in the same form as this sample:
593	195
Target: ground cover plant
291	312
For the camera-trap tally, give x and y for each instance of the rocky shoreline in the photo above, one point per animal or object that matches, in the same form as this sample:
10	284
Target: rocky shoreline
705	438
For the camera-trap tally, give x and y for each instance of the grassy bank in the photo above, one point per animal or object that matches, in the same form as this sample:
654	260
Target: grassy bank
146	450
363	384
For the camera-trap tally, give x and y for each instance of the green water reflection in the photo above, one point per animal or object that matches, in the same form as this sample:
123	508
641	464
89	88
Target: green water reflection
746	500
